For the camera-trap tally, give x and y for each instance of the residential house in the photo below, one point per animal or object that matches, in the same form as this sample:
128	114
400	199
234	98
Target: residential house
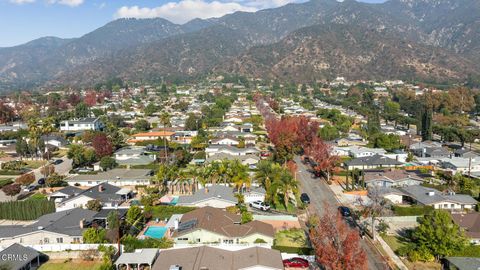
183	136
438	200
231	150
151	136
209	225
461	165
225	141
470	223
360	151
18	257
420	149
392	178
211	258
62	227
217	196
465	153
81	125
392	194
109	196
139	259
134	155
250	160
116	177
254	194
461	263
64	193
372	162
55	140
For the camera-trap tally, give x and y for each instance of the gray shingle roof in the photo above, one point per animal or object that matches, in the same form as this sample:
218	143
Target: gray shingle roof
216	191
375	160
114	175
26	254
428	196
63	222
465	263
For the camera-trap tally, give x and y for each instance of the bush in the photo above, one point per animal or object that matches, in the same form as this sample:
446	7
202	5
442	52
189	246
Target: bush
259	241
26	210
166	211
295	250
5	182
412	210
131	243
14	165
468	251
9	172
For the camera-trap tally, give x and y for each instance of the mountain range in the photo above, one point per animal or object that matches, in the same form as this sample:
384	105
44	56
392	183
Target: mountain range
434	40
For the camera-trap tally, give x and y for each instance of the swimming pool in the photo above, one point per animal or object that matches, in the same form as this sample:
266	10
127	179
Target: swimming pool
155	232
174	201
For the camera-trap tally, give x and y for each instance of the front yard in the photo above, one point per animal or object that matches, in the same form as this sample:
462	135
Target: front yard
292	241
396	242
67	265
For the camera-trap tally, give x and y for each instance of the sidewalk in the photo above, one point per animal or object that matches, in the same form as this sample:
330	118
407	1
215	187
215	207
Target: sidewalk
348	199
398	262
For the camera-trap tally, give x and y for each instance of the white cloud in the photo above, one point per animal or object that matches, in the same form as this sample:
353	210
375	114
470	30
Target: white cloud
21	2
186	10
71	3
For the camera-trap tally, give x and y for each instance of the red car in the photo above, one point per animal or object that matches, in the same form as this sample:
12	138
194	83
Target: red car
296	262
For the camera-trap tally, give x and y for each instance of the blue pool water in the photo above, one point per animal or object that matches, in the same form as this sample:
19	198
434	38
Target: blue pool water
174	201
155	232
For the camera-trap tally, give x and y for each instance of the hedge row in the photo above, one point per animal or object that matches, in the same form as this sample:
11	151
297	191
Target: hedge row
412	210
26	210
295	250
163	212
5	182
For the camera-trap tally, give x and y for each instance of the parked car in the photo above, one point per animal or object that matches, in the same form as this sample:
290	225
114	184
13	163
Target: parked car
260	205
41	181
57	161
304	198
30	188
296	262
345	211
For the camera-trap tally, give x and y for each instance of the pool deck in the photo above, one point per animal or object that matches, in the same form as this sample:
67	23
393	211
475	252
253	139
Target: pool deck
142	235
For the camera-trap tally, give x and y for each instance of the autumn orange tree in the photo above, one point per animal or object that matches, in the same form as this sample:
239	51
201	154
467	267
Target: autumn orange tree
337	246
321	154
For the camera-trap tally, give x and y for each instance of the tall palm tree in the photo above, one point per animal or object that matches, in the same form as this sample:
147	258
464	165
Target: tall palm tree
285	185
241	178
165	119
266	174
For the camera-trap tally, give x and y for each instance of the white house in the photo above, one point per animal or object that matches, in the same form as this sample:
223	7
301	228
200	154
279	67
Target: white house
225	141
116	177
81	125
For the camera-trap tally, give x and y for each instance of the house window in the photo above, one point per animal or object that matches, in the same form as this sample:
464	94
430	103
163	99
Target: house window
198	240
46	240
21	240
445	205
76	239
452	205
60	240
183	239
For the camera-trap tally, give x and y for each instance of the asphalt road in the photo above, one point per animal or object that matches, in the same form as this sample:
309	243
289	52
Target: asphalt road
62	168
321	195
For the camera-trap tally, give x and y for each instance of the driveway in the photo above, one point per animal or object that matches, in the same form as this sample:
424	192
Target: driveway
321	194
62	168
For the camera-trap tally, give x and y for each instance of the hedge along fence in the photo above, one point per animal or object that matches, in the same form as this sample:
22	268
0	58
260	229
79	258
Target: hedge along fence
26	210
414	210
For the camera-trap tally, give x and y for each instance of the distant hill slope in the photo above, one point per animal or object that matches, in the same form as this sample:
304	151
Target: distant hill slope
434	39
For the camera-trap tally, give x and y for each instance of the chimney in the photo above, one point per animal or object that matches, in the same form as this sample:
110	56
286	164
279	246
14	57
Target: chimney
82	223
100	188
175	223
431	193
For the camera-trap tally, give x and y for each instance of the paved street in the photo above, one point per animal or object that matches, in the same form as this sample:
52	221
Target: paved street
62	168
320	194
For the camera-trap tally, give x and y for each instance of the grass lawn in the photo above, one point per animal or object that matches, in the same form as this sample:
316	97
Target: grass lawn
67	265
396	242
163	212
60	153
281	207
37	197
291	238
34	164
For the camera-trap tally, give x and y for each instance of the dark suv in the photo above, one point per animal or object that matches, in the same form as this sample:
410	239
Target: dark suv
304	198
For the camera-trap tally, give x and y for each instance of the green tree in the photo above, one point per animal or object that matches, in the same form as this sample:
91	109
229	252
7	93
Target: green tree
192	122
108	163
150	109
438	234
391	111
142	125
94	236
328	133
82	110
94	205
246	217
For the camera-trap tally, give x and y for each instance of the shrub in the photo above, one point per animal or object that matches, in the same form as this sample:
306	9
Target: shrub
295	250
26	210
412	210
259	241
12	189
5	182
131	243
246	217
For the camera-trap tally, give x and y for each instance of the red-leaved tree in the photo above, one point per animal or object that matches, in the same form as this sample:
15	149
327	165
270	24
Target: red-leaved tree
90	98
102	145
321	154
337	246
11	190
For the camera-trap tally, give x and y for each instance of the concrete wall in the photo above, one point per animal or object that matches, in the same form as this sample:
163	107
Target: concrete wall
38	238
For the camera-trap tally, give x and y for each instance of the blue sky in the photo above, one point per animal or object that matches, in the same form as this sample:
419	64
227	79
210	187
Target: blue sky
25	20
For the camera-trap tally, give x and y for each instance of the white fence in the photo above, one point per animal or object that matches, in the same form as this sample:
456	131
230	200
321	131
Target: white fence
231	247
66	247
